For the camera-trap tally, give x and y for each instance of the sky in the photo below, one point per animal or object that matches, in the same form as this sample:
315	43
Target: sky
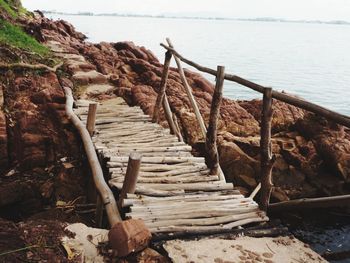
286	9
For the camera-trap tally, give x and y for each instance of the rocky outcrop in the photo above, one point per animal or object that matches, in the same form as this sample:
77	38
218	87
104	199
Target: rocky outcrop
332	143
44	154
36	108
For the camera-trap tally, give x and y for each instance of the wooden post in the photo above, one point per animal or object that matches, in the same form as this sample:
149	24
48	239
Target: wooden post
162	86
211	137
91	118
189	93
163	100
267	160
130	180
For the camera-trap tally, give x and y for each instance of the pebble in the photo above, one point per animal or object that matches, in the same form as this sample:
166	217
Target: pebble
267	255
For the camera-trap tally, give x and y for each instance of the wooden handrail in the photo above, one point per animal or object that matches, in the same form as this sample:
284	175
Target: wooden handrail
301	103
105	192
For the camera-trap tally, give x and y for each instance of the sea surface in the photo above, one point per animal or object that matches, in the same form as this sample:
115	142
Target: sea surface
309	60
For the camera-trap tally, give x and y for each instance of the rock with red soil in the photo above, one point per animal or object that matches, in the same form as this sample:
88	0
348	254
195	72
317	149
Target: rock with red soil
283	117
89	77
332	143
138	52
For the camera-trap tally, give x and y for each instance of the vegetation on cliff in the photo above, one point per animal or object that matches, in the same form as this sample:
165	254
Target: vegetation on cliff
12	35
9	7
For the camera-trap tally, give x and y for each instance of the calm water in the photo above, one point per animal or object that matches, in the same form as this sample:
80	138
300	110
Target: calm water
310	60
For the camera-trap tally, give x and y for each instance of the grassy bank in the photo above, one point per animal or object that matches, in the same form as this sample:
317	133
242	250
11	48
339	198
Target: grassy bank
14	36
5	7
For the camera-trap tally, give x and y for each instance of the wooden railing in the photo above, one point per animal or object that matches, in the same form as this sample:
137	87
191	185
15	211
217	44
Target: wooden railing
267	158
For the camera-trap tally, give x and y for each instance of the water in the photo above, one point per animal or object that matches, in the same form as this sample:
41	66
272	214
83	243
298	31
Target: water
310	60
327	231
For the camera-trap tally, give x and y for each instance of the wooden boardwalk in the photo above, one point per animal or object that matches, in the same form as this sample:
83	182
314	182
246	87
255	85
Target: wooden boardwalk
175	190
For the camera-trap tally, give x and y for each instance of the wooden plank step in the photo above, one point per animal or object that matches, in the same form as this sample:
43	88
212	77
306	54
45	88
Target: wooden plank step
209	186
162	160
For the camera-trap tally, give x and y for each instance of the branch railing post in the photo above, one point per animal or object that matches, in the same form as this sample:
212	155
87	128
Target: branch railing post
171	120
266	158
130	180
91	118
163	100
211	137
162	87
189	94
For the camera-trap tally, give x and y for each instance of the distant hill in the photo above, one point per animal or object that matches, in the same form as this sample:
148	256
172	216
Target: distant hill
201	16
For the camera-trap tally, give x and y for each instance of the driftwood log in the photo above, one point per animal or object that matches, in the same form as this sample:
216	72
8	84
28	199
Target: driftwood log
297	102
102	187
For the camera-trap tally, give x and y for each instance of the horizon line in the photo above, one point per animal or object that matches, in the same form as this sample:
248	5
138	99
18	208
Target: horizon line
260	19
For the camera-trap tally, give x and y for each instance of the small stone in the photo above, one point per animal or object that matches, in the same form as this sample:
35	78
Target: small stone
267	255
177	247
259	258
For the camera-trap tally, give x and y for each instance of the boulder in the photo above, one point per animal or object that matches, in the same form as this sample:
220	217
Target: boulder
89	77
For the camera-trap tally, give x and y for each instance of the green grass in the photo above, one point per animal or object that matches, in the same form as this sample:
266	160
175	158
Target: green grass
14	36
7	9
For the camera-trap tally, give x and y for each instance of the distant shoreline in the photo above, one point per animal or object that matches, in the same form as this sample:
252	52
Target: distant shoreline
259	19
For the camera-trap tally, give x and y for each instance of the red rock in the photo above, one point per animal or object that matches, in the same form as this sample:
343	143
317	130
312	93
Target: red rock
89	77
331	141
129	236
140	53
283	117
